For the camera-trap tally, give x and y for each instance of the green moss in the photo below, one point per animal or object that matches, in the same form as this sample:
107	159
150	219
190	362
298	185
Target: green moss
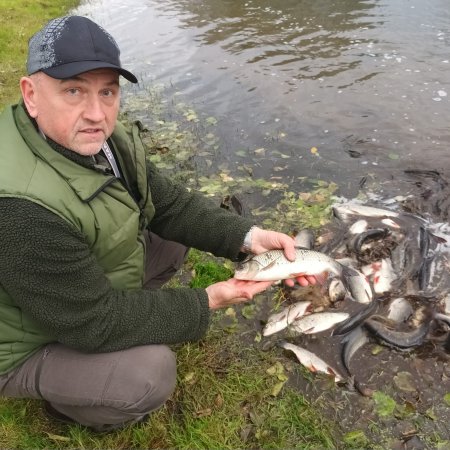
206	273
19	19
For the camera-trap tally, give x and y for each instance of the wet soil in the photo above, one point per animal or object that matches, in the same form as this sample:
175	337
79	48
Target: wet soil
415	384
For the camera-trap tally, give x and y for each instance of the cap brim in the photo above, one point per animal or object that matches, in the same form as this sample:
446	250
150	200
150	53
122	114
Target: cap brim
75	68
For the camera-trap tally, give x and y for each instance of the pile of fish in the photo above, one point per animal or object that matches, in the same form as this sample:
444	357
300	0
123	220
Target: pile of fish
394	265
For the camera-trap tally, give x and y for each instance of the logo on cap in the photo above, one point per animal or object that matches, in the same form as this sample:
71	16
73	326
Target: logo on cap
68	46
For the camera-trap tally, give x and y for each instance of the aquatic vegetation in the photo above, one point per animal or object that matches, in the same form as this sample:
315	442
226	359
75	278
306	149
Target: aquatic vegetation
184	144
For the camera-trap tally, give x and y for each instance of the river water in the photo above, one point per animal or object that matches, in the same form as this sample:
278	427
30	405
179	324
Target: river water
345	90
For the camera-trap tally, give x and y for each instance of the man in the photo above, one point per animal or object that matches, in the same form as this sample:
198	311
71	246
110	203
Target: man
84	322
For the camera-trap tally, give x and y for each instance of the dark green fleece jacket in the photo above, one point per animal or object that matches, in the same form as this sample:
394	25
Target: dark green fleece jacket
49	270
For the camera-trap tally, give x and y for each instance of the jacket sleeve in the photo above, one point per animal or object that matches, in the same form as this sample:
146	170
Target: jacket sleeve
49	271
193	219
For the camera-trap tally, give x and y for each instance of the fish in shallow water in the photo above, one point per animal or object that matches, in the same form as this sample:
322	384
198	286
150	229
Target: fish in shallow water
273	266
311	361
280	320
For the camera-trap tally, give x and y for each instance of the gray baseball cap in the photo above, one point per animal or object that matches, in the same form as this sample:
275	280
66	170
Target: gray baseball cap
70	45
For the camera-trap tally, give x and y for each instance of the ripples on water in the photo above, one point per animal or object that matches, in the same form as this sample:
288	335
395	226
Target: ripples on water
366	82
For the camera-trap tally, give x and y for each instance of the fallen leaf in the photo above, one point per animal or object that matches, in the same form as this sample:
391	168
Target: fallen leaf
447	399
57	437
404	381
203	412
277	388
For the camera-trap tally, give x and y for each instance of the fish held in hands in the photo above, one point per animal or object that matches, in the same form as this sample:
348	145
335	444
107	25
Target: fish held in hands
273	266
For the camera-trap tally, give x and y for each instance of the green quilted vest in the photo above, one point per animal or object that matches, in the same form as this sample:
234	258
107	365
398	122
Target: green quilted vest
98	206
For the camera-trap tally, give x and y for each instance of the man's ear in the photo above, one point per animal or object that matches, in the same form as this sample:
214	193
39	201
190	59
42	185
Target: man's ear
28	87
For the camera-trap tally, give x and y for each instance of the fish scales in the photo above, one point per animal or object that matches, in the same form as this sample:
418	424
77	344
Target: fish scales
273	265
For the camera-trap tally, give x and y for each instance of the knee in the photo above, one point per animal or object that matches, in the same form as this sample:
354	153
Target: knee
146	377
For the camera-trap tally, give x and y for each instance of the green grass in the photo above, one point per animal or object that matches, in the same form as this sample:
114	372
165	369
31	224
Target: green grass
224	399
19	19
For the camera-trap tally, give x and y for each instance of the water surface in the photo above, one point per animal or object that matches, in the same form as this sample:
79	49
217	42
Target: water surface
364	82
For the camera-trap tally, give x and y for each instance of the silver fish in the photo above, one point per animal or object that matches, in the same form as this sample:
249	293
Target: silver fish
399	310
346	212
352	342
446	304
358	227
273	266
360	289
311	361
384	278
336	290
279	321
317	322
442	317
305	238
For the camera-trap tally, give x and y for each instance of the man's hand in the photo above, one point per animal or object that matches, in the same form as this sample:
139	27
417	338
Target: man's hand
264	240
232	291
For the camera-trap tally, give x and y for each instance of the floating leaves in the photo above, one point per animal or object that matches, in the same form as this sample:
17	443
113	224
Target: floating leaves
211	121
309	209
241	153
182	143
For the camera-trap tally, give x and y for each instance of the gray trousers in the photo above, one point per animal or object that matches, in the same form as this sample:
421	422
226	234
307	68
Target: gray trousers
104	390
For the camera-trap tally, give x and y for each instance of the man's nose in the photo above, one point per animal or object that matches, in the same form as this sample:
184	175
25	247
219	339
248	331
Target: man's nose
94	110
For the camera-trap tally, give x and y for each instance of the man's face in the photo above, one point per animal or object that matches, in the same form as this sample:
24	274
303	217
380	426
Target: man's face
78	113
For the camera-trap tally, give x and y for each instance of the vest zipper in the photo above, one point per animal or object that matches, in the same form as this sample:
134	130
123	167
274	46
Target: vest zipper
101	188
